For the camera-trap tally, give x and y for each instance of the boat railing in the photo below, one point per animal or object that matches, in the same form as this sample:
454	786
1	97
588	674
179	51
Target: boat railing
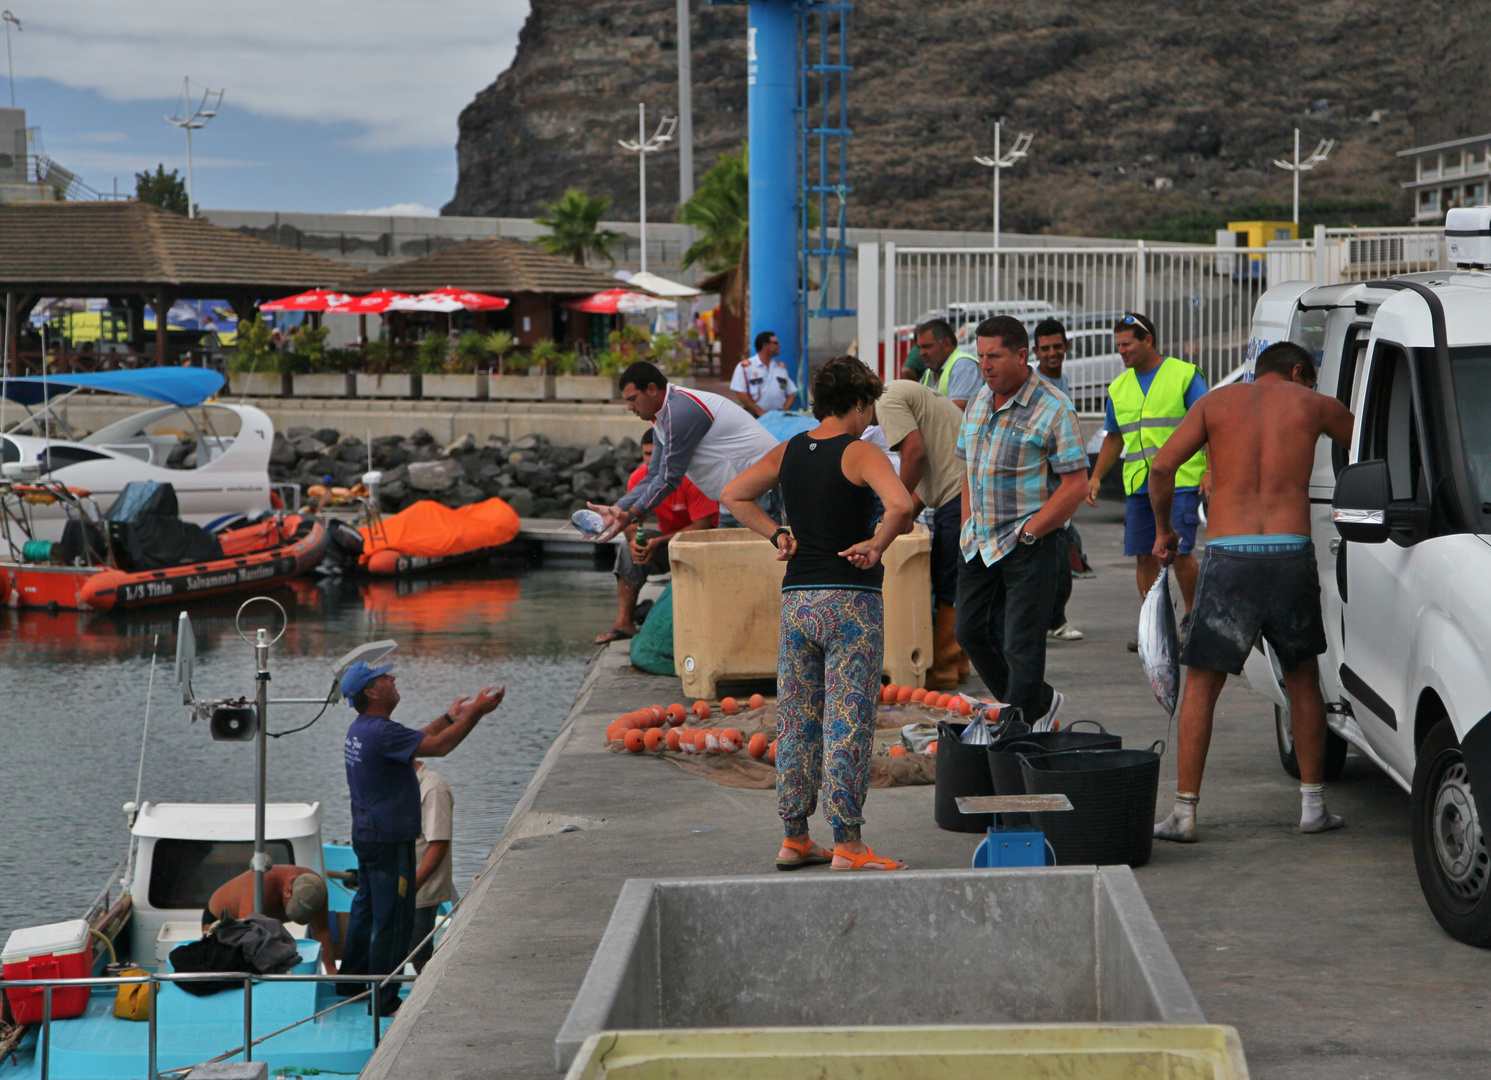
153	980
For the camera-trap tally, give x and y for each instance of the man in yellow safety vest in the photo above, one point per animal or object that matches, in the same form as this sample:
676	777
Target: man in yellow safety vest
1145	405
951	371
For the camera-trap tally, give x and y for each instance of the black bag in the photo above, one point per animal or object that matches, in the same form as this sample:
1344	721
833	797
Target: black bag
208	954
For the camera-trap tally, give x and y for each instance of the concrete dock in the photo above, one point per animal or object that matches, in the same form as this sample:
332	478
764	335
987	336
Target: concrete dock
1319	949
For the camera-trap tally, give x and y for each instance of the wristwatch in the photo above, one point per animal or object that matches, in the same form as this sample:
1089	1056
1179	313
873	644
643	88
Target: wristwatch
778	533
1025	538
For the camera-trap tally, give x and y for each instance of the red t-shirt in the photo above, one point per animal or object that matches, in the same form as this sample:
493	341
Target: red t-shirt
684	506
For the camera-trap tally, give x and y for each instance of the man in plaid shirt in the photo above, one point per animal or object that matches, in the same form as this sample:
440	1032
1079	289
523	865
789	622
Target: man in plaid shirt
1017	432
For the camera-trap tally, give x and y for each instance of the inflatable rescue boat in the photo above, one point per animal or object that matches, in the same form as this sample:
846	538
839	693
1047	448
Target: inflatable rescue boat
254	556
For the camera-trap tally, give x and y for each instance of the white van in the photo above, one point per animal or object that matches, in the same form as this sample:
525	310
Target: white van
1402	530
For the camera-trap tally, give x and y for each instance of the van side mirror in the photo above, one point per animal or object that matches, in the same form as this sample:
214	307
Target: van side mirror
1359	508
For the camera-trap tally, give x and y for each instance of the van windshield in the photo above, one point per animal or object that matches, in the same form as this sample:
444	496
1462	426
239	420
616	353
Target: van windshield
1472	371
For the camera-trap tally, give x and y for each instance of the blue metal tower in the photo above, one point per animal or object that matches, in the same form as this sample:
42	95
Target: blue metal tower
798	96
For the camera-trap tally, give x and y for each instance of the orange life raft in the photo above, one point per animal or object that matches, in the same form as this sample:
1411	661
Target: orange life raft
429	534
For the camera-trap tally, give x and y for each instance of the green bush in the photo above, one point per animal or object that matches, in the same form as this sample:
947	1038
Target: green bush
469	355
308	344
431	354
377	357
251	351
343	360
567	363
542	355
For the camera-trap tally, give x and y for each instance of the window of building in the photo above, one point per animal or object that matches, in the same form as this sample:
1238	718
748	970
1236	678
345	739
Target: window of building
1428	201
1475	194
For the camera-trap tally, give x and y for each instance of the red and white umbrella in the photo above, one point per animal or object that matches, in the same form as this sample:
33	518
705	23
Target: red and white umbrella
618	301
374	303
314	300
450	299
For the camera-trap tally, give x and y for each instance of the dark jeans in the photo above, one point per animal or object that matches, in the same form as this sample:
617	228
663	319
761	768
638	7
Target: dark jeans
1063	540
947	524
424	922
382	916
1003	613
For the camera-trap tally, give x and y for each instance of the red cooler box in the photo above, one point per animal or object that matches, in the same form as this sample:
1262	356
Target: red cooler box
55	951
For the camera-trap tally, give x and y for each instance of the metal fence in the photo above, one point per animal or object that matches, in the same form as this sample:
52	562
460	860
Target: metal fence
1201	298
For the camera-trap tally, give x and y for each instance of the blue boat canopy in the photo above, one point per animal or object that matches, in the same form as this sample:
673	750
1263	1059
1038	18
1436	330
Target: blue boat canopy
184	386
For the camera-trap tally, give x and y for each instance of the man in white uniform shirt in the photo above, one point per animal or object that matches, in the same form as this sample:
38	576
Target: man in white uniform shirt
762	382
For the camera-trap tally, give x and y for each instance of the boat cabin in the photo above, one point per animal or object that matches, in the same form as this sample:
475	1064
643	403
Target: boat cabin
186	850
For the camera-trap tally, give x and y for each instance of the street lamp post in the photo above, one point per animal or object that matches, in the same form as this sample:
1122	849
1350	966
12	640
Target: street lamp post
1322	151
642	146
197	119
10	63
999	162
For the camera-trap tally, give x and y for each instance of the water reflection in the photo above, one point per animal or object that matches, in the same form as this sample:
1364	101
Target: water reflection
72	705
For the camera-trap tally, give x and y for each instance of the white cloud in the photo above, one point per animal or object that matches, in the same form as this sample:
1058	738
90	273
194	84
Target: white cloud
403	209
399	71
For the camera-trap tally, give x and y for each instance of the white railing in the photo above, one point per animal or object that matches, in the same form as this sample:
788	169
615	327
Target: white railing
1201	297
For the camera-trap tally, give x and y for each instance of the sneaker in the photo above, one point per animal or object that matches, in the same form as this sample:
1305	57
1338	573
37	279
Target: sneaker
1052	720
1084	574
1065	632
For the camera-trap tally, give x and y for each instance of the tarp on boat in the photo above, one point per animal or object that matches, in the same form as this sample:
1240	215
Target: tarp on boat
430	530
184	386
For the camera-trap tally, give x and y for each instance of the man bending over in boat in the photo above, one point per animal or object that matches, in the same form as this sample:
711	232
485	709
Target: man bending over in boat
291	894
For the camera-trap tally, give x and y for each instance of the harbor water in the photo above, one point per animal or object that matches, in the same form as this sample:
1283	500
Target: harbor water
73	692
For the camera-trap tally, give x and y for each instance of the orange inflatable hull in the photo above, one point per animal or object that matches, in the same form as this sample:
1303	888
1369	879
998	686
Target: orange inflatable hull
429	535
293	550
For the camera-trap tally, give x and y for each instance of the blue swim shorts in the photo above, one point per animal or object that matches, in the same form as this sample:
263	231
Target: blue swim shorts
1138	521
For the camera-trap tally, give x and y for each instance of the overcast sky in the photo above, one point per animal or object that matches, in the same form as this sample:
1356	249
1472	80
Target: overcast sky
330	105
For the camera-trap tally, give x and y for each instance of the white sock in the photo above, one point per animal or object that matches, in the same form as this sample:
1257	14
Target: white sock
1313	816
1180	826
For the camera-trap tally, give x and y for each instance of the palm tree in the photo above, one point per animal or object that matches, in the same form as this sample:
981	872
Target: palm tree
719	210
572	221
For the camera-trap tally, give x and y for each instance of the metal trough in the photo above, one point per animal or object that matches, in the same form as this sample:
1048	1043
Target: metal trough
1020	946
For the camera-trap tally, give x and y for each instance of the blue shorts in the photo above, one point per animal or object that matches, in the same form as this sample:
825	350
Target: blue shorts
1138	522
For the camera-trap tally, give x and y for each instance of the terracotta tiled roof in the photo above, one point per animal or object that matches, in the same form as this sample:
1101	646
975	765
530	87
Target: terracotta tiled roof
120	246
499	266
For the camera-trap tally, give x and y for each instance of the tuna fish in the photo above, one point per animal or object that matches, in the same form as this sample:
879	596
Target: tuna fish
1159	644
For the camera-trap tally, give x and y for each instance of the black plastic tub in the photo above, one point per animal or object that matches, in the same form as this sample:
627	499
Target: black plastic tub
1113	795
1004	756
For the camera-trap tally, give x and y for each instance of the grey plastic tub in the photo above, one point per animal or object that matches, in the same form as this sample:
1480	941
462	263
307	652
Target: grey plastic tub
1038	945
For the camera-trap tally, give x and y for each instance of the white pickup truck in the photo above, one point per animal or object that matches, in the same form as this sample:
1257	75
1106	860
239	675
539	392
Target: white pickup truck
1402	529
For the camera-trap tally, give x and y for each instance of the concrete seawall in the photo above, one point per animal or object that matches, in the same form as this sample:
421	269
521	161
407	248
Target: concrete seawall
1319	949
569	423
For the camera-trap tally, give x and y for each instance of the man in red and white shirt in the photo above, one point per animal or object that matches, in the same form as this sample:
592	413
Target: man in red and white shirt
684	509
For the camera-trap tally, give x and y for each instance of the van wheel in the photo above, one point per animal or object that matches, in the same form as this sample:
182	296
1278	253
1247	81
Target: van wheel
1449	849
1335	747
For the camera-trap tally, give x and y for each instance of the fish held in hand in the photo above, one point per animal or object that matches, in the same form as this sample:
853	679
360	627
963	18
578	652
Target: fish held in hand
1159	643
588	522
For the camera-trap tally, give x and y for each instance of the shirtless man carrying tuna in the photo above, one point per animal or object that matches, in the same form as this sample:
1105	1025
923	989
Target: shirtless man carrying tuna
1259	573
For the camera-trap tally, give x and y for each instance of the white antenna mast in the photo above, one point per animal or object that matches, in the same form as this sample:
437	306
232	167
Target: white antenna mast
642	146
197	119
1322	151
999	162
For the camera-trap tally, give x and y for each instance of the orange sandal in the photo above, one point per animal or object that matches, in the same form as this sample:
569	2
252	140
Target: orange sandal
805	856
865	860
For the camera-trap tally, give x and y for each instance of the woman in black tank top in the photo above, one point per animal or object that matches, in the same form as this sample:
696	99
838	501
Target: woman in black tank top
833	622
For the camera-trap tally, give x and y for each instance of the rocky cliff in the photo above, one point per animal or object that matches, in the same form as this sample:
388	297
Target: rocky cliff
1142	112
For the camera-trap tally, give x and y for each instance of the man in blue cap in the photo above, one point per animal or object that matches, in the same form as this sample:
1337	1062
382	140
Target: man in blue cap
380	755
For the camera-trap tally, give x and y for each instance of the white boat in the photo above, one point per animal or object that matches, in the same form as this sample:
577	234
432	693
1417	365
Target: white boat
227	481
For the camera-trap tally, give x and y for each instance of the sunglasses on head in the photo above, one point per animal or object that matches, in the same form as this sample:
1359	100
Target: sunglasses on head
1134	320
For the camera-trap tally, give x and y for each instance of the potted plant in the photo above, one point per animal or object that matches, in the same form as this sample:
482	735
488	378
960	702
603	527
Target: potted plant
538	382
388	376
461	376
571	384
255	369
311	376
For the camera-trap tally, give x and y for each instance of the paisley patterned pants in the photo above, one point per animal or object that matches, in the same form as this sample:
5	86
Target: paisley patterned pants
828	687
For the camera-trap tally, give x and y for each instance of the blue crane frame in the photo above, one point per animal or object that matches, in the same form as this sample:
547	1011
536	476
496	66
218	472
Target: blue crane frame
789	183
